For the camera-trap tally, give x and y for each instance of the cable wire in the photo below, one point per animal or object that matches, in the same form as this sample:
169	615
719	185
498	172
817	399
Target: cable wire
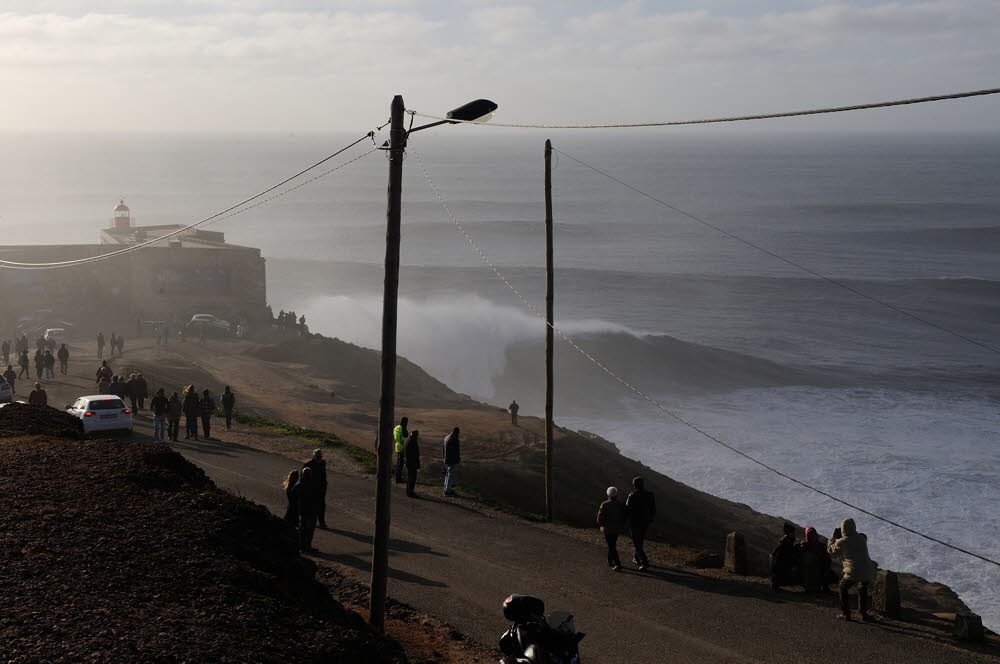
798	266
663	409
218	216
738	118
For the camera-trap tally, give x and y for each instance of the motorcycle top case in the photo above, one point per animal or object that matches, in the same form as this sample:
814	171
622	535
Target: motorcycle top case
517	608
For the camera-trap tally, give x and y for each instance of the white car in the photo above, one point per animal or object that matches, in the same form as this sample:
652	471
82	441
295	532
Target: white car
208	320
101	412
6	393
56	335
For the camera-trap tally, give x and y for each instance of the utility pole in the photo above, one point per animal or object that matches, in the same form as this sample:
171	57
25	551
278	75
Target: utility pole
549	320
387	401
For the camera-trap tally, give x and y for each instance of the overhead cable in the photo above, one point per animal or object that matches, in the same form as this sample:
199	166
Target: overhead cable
798	266
663	409
737	118
218	216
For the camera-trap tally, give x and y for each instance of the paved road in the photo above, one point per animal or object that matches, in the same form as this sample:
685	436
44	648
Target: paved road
455	563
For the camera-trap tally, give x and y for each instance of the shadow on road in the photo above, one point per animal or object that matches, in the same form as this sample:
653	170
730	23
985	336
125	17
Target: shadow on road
401	546
365	566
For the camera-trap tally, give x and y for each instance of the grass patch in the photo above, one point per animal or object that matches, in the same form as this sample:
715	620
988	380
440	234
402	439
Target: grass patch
320	438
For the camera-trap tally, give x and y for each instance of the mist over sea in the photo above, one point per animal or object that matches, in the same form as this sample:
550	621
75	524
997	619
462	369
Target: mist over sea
893	415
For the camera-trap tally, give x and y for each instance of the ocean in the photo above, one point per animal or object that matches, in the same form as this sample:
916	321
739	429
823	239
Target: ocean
894	415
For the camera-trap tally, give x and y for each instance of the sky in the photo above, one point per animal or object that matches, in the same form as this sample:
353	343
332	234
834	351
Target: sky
311	66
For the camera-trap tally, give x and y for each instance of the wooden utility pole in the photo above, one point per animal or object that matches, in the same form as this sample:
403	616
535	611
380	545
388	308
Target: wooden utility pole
387	401
549	320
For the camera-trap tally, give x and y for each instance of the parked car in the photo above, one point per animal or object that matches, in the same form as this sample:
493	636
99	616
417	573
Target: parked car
212	325
57	335
101	412
6	393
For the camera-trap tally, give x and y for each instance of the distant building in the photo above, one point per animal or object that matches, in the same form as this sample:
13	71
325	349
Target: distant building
193	271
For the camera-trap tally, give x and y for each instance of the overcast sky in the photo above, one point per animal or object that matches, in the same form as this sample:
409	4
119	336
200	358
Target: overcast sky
306	65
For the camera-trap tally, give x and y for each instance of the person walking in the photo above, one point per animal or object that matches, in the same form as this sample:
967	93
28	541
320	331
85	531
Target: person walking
100	345
412	454
399	435
206	407
38	396
11	376
5	348
141	391
121	345
641	508
174	411
852	547
39	360
159	405
292	511
513	408
612	519
191	410
452	457
63	356
306	492
318	467
228	400
103	386
104	371
114	345
132	392
117	387
24	363
50	365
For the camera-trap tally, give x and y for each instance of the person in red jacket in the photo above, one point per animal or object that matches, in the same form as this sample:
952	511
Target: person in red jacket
38	396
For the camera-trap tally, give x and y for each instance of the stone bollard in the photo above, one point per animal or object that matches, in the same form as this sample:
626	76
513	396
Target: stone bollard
885	598
969	627
736	553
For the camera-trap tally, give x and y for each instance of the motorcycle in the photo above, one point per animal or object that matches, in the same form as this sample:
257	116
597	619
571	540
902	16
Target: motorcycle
534	638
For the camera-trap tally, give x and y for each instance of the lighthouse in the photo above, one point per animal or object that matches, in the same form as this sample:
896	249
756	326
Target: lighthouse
122	218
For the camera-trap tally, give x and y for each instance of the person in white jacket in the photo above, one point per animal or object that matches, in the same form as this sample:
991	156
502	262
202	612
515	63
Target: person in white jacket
852	548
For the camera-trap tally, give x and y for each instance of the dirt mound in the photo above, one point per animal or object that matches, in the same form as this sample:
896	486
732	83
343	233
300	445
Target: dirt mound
115	551
20	419
359	370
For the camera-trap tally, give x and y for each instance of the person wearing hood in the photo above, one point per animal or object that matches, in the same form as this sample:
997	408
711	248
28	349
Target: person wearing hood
814	556
399	436
612	519
852	548
785	568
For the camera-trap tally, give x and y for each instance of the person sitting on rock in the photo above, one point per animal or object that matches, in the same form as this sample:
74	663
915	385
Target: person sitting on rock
785	560
815	561
852	547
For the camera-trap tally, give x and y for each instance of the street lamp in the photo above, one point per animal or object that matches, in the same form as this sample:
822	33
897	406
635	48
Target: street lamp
478	110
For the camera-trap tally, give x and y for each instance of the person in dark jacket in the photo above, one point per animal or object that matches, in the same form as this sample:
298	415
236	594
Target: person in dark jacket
117	387
38	396
513	408
132	392
39	363
815	559
785	560
63	355
452	457
399	436
141	391
206	408
191	411
50	365
174	411
159	406
412	454
5	348
307	492
100	345
318	467
104	371
114	344
22	361
292	511
641	507
11	377
612	519
228	400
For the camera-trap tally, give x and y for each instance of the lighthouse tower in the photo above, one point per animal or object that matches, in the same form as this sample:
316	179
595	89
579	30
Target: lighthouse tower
123	218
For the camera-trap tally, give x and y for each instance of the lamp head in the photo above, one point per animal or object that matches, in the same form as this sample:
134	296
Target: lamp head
480	110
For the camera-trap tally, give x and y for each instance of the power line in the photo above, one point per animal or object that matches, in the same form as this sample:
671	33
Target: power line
798	266
657	404
738	118
218	216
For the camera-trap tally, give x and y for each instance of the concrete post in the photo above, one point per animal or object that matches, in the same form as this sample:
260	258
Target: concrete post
885	598
736	553
969	627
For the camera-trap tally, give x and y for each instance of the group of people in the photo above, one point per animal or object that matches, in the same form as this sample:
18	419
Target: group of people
286	320
809	563
117	344
306	493
407	447
133	388
631	516
44	360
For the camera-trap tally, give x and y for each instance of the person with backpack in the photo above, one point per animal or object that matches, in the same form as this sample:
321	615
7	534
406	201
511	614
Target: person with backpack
641	508
452	457
228	400
412	455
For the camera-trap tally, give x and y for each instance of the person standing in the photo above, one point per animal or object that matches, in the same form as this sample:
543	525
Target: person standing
452	457
159	405
612	518
63	356
399	435
228	400
852	547
50	365
141	391
131	390
306	492
100	345
292	511
5	348
39	363
206	407
38	396
191	411
513	408
174	410
11	377
641	508
412	455
318	467
24	363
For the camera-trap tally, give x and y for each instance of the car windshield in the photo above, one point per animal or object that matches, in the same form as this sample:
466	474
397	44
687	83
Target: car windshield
106	404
